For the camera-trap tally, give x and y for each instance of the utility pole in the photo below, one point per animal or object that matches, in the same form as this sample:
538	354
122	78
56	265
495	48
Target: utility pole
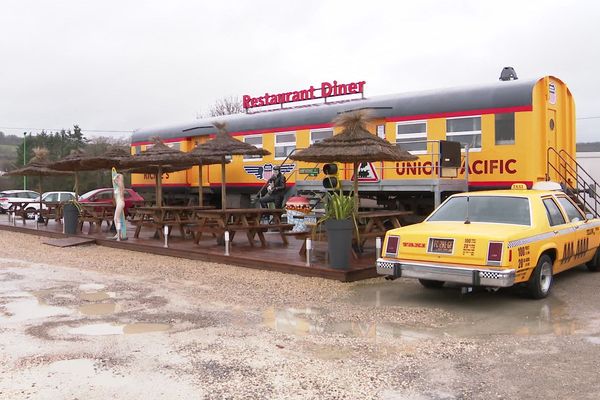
25	159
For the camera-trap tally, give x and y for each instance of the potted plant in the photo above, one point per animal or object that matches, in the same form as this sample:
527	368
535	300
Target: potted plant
71	213
339	221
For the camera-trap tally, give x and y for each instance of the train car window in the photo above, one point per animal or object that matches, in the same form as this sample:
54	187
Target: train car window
465	130
285	143
138	149
555	217
505	128
255	141
318	135
412	136
174	145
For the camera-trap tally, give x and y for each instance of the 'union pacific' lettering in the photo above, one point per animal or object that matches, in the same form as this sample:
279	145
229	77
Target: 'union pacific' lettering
477	167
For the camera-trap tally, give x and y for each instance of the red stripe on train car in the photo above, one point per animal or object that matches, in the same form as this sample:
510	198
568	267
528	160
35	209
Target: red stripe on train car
164	185
180	139
389	119
507	184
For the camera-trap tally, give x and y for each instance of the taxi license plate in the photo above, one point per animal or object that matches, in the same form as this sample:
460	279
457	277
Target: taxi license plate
441	246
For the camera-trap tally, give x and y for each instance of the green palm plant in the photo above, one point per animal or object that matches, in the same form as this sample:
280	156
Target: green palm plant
340	206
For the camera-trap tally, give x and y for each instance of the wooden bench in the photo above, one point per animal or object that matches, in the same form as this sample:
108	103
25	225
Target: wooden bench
250	230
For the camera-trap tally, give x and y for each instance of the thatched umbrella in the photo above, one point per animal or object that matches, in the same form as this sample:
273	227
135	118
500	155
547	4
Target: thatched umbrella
78	160
38	166
355	144
160	158
224	145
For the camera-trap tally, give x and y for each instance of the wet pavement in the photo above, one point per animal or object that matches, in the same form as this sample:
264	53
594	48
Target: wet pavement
74	333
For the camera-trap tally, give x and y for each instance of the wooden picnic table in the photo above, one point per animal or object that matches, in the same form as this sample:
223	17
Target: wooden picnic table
170	216
18	209
50	209
95	214
371	224
253	221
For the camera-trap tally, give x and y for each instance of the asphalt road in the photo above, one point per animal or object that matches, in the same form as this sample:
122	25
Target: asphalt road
98	323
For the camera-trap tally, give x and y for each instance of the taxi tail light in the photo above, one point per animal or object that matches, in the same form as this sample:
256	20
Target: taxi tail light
494	252
510	256
391	247
3	199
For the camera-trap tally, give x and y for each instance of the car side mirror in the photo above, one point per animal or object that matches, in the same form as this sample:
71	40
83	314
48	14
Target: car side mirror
589	216
575	219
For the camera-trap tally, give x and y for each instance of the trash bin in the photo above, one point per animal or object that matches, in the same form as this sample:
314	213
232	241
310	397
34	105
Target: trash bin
71	218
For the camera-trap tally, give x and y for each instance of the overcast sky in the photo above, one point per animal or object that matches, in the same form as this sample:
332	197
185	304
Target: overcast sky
121	65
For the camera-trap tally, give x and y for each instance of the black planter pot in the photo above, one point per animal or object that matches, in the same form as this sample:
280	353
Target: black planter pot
71	216
339	241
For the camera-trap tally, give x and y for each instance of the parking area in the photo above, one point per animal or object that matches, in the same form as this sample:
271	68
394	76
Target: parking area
95	322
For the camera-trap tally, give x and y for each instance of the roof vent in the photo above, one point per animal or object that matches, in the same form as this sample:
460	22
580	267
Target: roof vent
508	74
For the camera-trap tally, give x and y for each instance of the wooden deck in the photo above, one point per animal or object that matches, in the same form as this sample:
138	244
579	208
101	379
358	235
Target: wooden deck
275	257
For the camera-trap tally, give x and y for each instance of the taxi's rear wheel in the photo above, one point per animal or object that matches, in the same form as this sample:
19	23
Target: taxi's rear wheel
430	284
594	264
540	281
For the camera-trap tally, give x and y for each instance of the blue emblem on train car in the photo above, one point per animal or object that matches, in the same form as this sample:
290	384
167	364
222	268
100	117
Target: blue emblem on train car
265	171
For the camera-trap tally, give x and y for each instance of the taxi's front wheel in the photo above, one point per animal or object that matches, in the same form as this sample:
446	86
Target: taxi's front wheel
540	281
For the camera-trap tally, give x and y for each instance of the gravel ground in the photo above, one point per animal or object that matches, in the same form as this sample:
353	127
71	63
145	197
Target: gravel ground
95	323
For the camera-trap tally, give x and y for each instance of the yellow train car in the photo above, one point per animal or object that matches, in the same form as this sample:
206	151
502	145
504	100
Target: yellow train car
510	131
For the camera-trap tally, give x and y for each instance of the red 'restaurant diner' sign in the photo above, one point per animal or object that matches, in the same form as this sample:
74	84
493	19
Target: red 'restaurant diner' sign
327	89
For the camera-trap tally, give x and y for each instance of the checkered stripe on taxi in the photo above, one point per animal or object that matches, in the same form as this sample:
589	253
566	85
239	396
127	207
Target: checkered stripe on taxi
491	275
385	264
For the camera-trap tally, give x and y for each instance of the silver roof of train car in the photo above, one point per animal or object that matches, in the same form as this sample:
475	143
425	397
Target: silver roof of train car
498	95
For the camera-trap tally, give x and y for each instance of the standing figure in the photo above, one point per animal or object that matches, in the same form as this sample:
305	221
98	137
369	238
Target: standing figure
119	196
275	189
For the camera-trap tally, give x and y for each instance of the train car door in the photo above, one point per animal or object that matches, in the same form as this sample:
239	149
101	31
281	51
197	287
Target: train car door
552	142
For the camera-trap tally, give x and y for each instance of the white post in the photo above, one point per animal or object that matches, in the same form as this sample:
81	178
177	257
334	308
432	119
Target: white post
166	235
62	221
377	247
226	243
308	249
14	219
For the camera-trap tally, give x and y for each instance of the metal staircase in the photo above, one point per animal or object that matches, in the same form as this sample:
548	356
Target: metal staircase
576	181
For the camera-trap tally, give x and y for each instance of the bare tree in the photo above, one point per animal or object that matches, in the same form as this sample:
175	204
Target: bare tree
225	106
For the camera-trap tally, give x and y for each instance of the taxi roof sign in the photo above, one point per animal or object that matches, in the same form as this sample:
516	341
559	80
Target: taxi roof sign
518	186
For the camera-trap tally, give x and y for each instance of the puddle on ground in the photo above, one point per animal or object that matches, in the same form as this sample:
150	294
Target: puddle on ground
98	309
95	296
308	321
477	313
145	328
89	287
593	339
118	329
30	308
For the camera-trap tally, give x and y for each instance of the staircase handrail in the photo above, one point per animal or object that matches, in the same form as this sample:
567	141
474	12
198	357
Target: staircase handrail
575	174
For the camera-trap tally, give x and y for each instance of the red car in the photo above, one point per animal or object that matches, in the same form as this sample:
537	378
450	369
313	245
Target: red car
105	196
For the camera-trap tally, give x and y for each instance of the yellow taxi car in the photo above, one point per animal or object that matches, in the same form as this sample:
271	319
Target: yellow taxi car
495	239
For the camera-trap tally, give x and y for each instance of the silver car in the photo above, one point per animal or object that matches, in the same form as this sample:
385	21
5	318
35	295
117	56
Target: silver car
48	197
8	196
